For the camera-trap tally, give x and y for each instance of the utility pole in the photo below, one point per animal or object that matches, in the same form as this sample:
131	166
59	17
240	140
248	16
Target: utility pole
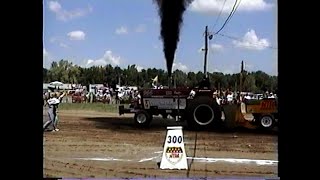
206	36
241	76
175	81
205	51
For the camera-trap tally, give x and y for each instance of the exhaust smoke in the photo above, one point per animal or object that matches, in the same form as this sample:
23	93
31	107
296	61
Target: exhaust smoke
171	16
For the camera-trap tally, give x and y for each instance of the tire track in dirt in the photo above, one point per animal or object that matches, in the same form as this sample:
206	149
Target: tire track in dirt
92	169
106	136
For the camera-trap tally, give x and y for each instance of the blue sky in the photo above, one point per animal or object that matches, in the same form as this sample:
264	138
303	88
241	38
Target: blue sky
122	32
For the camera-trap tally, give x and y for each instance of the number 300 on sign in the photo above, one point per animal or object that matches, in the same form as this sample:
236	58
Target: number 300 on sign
174	139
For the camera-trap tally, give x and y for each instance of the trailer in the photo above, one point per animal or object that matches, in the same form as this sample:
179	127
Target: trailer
252	114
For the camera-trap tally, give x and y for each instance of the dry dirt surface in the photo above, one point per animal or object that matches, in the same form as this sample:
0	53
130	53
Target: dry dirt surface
106	145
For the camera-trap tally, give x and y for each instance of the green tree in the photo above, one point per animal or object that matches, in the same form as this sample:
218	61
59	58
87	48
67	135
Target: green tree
67	72
109	75
191	79
45	77
249	84
180	78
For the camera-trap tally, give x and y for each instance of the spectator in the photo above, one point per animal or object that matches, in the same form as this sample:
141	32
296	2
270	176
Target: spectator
53	104
271	95
230	97
247	96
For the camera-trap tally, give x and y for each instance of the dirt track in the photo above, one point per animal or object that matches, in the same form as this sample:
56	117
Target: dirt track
125	151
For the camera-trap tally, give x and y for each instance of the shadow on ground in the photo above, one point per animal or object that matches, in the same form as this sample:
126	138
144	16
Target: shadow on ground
160	124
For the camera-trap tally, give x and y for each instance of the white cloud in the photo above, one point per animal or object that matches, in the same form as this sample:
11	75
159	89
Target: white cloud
122	30
65	15
139	68
251	41
108	58
248	67
54	6
53	39
233	68
214	47
98	62
59	41
180	66
154	20
45	53
76	35
176	65
46	58
213	7
275	64
140	28
224	71
63	45
155	46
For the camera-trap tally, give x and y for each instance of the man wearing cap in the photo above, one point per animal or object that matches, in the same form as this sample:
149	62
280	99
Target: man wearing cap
216	96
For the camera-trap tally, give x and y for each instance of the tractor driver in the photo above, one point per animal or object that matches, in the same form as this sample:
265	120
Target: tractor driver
137	96
216	97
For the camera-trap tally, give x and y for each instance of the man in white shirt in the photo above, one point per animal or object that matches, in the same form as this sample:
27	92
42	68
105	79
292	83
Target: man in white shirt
216	96
53	103
230	97
271	95
247	96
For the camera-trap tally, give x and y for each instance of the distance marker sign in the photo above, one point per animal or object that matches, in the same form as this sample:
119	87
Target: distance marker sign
174	155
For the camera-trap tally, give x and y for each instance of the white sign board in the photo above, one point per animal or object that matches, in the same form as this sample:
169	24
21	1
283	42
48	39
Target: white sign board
174	155
164	103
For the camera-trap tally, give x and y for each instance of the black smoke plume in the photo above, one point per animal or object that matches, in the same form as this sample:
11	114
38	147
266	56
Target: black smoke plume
171	15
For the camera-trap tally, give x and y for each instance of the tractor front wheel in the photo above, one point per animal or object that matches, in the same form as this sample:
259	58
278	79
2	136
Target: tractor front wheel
142	118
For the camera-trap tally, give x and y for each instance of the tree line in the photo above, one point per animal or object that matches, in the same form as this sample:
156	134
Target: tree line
67	72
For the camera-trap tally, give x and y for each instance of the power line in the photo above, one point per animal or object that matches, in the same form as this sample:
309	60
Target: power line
232	11
235	10
239	39
219	14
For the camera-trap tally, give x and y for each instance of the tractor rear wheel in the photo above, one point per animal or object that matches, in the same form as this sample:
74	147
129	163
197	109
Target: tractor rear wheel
203	112
142	118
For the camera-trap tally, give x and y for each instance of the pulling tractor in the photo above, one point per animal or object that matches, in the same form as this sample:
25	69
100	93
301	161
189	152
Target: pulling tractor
200	109
196	106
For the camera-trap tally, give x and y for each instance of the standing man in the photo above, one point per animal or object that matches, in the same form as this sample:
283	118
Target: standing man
53	103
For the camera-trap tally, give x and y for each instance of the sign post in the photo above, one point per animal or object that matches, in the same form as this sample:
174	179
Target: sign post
174	155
